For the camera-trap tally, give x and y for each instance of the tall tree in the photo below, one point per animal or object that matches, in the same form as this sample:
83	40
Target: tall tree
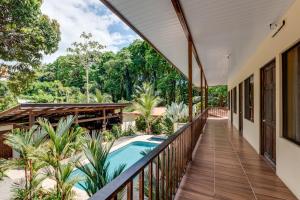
88	52
25	35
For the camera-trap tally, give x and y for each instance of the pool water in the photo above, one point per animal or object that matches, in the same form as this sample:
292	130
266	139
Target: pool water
129	154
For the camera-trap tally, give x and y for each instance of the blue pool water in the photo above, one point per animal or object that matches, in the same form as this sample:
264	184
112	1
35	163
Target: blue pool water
129	154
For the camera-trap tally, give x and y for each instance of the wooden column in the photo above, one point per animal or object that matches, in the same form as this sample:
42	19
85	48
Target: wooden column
121	116
201	89
104	120
31	119
190	86
206	95
76	117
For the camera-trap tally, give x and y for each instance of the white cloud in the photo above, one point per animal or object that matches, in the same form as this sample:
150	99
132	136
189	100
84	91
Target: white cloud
76	16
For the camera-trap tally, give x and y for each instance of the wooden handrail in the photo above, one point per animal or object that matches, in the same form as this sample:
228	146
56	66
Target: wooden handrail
175	153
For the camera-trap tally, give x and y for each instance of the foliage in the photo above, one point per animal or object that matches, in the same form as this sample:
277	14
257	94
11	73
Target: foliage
26	35
97	173
28	144
102	97
64	142
116	131
145	102
140	123
7	99
217	96
156	126
177	112
167	126
129	132
116	74
87	52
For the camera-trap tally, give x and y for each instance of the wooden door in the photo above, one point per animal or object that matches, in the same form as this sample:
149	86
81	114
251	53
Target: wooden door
241	108
268	112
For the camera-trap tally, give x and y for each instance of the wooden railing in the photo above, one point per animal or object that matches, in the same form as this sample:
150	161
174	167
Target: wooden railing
158	174
218	112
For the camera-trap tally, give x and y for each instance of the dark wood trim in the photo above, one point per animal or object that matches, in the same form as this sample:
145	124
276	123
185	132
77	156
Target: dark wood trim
261	145
181	16
284	93
190	84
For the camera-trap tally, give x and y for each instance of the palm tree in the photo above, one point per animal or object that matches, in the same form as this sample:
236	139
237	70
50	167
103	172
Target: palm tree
145	102
27	144
97	172
64	142
102	97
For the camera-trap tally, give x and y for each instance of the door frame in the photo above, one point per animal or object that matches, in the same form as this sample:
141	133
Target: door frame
231	107
241	106
261	99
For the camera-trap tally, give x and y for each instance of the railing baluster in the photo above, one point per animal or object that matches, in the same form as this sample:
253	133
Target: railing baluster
163	174
157	178
130	190
171	159
141	185
167	174
150	180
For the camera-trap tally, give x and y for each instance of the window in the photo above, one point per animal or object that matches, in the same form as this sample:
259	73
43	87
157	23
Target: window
249	97
234	100
291	93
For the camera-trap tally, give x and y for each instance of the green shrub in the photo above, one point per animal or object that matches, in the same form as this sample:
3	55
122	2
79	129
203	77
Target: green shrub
129	132
156	127
108	136
167	126
116	131
140	123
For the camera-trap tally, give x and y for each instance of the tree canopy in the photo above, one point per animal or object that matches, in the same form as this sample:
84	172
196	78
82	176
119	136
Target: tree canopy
25	36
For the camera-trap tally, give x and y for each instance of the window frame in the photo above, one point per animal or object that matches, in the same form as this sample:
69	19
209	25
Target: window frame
284	93
249	110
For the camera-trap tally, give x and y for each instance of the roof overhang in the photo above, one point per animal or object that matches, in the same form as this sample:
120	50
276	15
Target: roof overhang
224	33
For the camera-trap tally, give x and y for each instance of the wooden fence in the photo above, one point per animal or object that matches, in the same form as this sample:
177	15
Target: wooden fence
218	112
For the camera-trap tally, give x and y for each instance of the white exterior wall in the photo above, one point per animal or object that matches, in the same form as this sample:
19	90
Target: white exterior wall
287	153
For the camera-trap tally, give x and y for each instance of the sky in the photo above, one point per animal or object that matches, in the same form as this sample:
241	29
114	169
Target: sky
91	16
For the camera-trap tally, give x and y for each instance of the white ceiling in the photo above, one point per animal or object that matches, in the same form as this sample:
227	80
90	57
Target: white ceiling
220	29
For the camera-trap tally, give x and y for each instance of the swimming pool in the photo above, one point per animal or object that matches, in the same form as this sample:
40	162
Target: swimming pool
129	154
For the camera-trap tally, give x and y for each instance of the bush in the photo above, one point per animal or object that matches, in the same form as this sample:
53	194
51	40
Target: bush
167	126
116	131
140	123
129	132
108	136
156	127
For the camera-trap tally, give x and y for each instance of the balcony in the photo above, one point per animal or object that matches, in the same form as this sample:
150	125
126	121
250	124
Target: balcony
206	159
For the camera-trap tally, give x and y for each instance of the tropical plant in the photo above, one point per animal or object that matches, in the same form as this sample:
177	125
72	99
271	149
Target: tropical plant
167	126
97	172
64	142
102	97
177	112
28	144
145	102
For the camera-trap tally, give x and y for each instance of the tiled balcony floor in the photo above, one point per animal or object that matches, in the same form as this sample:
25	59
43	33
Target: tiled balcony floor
226	167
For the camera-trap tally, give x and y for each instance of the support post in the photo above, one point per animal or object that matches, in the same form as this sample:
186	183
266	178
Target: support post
31	119
190	84
104	120
201	89
76	117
